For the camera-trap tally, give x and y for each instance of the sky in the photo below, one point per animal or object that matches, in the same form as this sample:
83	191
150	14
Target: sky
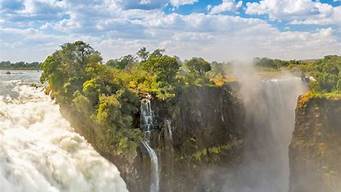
221	30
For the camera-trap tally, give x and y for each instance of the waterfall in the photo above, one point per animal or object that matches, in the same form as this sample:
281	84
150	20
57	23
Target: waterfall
168	131
155	180
146	117
270	119
40	152
147	125
270	122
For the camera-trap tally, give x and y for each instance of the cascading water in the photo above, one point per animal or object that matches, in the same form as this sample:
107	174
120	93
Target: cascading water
146	117
39	151
270	112
147	125
168	131
154	186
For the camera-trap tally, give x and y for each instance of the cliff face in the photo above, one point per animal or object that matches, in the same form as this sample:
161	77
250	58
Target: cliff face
315	151
207	138
197	136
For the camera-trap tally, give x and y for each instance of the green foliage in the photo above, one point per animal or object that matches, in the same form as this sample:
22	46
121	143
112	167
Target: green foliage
196	70
143	54
108	95
198	66
77	79
122	63
326	71
274	63
64	70
215	151
164	69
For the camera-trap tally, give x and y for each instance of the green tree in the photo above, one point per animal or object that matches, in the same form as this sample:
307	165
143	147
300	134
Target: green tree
165	69
94	94
123	62
64	70
143	54
327	73
198	66
196	71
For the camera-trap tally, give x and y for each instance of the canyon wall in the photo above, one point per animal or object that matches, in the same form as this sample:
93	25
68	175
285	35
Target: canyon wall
207	133
197	136
315	151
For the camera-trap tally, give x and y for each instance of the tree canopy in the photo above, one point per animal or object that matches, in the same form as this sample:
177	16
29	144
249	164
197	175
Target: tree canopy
108	94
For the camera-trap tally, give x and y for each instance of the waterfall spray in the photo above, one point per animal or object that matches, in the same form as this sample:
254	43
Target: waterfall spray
270	111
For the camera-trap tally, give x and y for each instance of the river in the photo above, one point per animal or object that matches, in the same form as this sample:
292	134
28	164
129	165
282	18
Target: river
39	150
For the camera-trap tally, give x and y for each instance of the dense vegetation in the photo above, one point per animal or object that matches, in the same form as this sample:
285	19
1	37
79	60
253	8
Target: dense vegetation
275	63
7	65
325	73
109	93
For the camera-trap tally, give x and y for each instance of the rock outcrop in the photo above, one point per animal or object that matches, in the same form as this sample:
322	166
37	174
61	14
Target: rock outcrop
315	150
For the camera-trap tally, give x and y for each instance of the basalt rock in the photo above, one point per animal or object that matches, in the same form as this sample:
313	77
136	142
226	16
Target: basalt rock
315	151
207	134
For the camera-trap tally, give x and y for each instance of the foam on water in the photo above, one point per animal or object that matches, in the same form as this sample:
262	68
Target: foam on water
40	152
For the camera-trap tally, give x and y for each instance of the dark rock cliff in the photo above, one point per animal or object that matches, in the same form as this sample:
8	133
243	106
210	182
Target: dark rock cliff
207	138
315	151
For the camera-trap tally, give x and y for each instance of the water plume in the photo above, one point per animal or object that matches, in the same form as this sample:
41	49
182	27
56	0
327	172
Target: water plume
270	111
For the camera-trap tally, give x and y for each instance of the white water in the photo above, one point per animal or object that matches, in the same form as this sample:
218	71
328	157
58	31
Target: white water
270	112
147	125
155	180
146	117
40	152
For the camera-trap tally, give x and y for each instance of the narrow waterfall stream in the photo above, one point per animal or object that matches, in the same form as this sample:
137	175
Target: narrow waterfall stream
39	151
270	112
169	131
147	125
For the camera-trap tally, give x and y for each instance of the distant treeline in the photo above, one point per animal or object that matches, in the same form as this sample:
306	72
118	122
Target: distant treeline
276	63
7	65
325	71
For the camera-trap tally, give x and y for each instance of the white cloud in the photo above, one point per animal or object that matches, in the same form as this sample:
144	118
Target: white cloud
333	19
114	29
225	6
177	3
290	9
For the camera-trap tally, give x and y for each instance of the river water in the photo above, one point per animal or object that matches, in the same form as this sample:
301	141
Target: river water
39	150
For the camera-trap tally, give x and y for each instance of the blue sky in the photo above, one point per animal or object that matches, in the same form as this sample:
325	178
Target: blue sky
217	29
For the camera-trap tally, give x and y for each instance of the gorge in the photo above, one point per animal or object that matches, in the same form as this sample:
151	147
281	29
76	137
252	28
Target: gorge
168	126
209	138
